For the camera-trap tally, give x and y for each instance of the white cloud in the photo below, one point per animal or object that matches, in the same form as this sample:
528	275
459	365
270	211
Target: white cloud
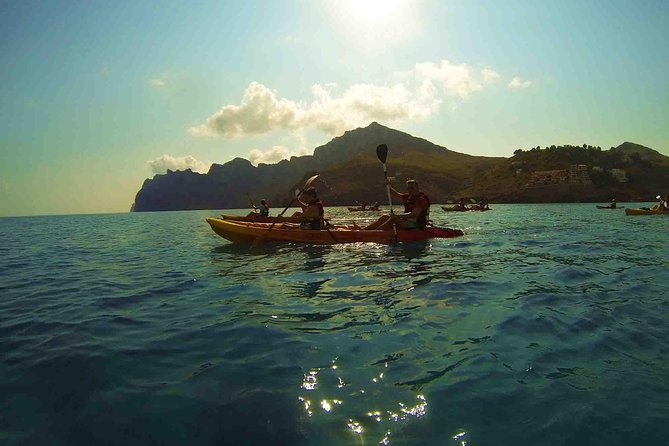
455	80
274	155
489	76
261	111
517	83
415	95
158	82
357	105
162	163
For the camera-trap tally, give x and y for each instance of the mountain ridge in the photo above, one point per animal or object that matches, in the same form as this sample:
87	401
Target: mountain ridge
350	172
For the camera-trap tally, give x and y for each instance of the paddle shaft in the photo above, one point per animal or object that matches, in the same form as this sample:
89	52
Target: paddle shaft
382	153
390	199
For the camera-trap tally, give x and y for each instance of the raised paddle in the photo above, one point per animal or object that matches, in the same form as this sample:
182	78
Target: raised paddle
297	195
382	154
253	205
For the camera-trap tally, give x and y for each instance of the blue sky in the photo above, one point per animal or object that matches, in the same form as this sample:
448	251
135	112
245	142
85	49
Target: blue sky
97	96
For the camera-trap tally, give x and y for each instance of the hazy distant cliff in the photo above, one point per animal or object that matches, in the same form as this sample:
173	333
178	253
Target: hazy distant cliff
349	171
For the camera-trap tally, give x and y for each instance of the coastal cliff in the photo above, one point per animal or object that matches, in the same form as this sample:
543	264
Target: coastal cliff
350	172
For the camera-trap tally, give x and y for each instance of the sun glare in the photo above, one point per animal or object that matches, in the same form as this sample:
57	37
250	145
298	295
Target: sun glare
374	24
374	11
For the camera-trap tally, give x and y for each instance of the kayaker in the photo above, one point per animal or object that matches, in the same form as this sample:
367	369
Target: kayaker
312	213
461	204
613	204
416	209
263	209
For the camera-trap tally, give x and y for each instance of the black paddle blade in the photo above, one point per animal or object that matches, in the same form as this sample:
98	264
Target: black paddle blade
382	152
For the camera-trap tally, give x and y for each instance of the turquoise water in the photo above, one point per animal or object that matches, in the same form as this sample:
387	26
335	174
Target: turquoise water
543	325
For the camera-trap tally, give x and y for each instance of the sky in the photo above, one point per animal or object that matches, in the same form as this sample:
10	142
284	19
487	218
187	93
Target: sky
97	96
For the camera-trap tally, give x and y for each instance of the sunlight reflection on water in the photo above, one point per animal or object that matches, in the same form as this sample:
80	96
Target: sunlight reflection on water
373	409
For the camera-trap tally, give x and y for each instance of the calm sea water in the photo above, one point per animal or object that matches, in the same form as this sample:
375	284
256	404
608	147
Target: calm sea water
543	325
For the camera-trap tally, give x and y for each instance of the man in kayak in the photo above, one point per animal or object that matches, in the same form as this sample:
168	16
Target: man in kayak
312	213
613	204
416	209
263	209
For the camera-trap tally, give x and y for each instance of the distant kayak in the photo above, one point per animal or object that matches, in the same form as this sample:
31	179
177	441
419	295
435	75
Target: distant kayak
459	209
609	207
359	209
645	211
249	232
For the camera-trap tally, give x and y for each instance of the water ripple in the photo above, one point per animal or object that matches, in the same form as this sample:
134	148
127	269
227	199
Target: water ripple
543	325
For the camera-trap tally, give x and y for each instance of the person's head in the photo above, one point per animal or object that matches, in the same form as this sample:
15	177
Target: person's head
263	201
613	199
412	187
310	195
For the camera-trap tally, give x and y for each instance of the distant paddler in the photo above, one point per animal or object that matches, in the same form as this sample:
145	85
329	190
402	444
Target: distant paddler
663	205
263	209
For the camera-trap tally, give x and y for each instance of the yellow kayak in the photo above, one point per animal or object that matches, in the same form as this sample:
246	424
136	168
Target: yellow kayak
250	232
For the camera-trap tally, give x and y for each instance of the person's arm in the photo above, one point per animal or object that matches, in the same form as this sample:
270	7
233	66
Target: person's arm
302	204
310	213
393	191
416	211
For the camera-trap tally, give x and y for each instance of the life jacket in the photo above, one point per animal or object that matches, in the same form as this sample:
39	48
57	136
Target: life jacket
264	210
410	203
316	222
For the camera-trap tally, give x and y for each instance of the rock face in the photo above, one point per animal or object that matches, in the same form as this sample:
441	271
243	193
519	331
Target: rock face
350	172
226	185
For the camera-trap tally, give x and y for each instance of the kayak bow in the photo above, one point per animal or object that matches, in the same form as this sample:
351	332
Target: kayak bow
644	211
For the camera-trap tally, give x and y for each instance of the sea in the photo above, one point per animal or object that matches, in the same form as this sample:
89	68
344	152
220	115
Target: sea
543	325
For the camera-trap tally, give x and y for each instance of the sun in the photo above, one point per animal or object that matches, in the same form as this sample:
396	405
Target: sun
374	11
375	25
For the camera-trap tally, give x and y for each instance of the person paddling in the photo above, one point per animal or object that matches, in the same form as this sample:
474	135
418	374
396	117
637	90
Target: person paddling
263	209
416	209
312	213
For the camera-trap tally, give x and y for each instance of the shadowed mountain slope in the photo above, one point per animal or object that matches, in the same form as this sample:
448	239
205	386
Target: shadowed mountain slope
350	172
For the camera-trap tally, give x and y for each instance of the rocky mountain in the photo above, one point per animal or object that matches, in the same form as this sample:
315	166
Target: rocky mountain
348	167
350	172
